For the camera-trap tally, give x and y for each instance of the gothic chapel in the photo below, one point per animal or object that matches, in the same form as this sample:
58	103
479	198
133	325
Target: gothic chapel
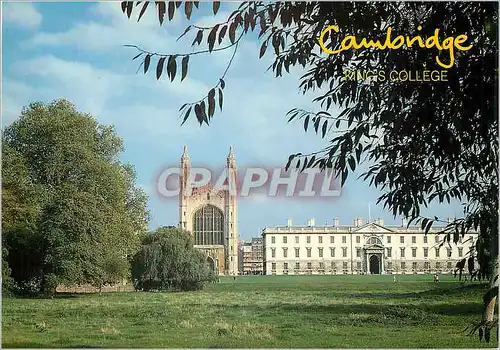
212	218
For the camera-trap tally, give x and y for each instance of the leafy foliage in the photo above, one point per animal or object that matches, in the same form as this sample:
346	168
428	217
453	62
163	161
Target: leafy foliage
72	213
168	261
424	141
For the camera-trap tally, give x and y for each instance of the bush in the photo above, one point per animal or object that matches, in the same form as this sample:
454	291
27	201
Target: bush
167	261
7	281
49	285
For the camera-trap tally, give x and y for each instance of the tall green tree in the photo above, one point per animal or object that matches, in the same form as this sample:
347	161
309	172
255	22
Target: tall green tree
168	261
424	141
72	210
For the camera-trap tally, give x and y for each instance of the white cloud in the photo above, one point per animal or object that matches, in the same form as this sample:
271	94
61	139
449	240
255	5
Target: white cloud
78	82
102	93
14	99
255	103
110	31
211	20
21	14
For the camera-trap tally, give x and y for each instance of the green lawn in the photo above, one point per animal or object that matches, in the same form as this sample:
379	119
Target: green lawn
258	312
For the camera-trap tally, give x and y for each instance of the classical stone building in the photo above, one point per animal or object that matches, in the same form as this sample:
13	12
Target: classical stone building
246	255
257	256
212	217
371	248
252	257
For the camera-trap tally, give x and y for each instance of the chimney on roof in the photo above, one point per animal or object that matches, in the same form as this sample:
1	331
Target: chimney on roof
311	222
336	222
404	222
358	222
450	220
380	222
289	222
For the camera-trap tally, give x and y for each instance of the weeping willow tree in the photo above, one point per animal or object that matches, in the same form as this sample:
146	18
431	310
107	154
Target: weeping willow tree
167	261
425	142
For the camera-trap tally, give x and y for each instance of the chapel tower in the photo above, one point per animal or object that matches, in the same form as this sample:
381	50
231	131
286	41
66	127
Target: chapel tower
211	216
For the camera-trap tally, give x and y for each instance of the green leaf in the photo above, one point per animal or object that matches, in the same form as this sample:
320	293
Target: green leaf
185	61
294	113
147	61
144	7
232	32
316	120
358	152
186	116
424	223
188	9
216	6
222	33
428	226
311	161
344	177
290	158
137	56
172	67
220	99
171	10
222	83
199	38
159	67
352	163
263	49
211	103
212	36
188	28
161	11
305	164
198	113
325	124
204	112
262	22
130	6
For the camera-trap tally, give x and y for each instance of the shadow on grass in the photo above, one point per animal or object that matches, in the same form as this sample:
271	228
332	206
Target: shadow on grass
61	295
17	345
360	314
34	345
409	311
439	290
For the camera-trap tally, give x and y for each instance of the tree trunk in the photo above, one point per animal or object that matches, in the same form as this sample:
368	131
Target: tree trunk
489	306
489	310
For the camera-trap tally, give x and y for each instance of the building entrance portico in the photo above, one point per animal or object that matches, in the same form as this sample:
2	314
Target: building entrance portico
374	256
375	267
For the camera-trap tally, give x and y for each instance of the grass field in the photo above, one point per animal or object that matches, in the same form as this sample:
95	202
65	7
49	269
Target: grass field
258	311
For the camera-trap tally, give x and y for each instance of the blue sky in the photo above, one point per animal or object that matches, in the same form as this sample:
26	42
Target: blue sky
74	51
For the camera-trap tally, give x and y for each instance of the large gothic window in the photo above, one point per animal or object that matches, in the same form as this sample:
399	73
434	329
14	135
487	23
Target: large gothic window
208	226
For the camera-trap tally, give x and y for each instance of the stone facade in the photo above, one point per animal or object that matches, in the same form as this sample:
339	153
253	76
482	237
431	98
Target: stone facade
257	256
212	217
359	249
246	254
252	257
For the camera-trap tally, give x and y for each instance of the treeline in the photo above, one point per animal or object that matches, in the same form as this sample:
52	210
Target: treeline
72	213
